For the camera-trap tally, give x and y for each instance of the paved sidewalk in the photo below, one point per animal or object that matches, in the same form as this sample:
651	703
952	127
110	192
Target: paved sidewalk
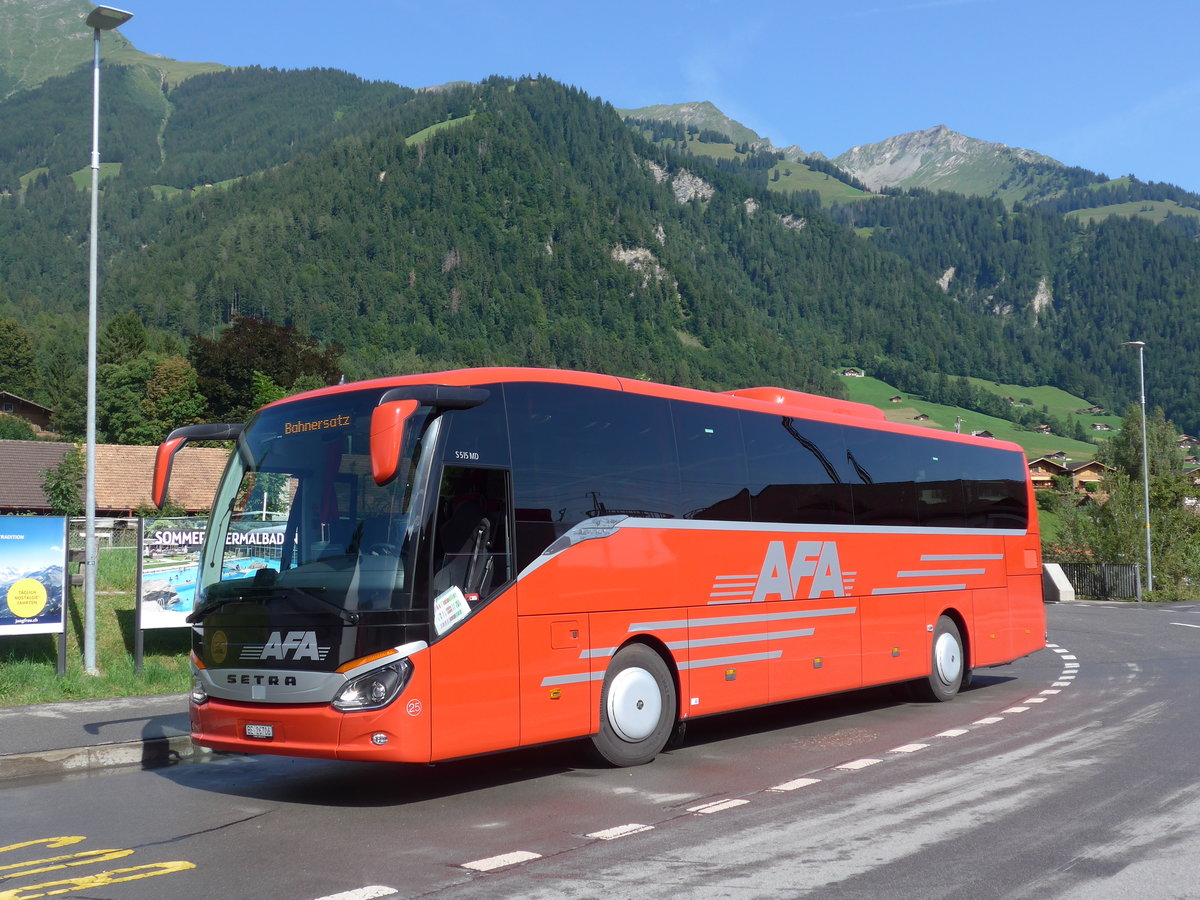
58	738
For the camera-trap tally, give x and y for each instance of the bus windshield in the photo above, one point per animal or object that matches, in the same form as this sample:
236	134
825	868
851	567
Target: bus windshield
299	515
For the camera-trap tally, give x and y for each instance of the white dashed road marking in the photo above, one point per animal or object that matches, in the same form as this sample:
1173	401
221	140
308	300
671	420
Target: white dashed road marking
716	806
795	784
499	862
611	834
363	893
857	764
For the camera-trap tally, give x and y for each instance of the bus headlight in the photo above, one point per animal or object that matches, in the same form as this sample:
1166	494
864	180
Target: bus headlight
375	689
198	693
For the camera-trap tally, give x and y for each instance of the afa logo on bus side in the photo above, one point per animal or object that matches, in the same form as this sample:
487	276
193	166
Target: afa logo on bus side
781	577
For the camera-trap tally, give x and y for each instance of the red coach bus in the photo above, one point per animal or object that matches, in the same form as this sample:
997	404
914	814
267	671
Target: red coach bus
493	558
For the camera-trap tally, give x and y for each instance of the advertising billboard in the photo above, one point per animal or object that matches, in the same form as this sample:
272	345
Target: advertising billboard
33	563
171	560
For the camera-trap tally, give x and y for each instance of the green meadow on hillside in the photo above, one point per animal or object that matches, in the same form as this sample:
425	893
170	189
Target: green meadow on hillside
1154	210
879	394
784	176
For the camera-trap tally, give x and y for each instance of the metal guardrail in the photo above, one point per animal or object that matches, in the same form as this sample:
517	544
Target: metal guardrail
1105	581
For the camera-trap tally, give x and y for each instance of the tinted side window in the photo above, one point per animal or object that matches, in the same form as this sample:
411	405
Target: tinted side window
885	465
477	436
940	472
996	497
580	452
796	470
712	462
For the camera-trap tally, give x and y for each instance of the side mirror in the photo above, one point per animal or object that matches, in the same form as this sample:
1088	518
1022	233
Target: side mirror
387	437
175	442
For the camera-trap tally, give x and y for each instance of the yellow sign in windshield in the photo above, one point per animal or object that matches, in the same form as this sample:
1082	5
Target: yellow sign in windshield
315	425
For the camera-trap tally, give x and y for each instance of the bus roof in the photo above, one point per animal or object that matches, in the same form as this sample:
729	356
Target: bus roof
762	399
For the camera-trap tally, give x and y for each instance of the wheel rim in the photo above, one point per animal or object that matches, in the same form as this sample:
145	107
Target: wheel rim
947	657
634	704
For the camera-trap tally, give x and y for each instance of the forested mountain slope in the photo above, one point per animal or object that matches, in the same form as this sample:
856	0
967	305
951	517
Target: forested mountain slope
531	226
536	230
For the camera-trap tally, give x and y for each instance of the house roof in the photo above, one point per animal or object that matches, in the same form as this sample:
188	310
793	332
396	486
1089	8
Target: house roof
123	475
23	463
39	406
1048	463
1093	464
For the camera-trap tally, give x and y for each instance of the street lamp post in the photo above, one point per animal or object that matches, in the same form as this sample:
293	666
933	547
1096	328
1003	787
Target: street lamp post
102	18
1141	346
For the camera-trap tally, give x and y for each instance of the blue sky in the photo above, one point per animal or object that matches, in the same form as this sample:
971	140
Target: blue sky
1110	86
40	544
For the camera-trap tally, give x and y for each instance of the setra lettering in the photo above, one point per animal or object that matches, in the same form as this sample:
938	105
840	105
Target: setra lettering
268	680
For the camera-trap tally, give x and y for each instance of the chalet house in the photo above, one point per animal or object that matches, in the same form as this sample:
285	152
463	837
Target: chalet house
35	414
853	373
1043	429
123	475
983	434
1043	471
1095	411
1101	426
1058	456
1086	473
1186	441
896	399
922	417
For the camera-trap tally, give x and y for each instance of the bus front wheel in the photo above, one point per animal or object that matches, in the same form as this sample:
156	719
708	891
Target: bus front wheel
948	668
637	707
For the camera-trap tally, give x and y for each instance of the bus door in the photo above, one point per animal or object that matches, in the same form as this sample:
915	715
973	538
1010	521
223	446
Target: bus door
474	701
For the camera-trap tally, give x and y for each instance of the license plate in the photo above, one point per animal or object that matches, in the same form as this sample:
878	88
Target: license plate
261	732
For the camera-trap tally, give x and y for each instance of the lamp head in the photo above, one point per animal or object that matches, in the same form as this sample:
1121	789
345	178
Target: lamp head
1138	344
106	18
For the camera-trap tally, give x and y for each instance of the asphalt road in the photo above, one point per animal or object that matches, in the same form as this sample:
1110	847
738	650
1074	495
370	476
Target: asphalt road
1071	773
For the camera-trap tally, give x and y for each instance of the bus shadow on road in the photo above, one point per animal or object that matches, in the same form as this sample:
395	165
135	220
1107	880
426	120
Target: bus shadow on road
367	785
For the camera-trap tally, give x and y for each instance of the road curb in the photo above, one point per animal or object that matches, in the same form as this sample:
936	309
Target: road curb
147	754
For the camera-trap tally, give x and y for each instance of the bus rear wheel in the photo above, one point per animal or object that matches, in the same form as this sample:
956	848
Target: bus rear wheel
637	708
948	668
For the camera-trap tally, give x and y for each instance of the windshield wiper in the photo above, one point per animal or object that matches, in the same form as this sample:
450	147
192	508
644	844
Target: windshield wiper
211	606
270	593
350	618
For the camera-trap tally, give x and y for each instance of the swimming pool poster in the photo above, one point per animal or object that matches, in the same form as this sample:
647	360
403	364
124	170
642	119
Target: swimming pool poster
171	563
170	558
33	560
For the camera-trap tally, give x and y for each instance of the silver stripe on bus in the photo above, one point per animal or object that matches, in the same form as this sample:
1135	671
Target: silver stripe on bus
603	652
740	639
811	528
730	660
938	573
597	652
959	557
552	680
738	620
920	589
